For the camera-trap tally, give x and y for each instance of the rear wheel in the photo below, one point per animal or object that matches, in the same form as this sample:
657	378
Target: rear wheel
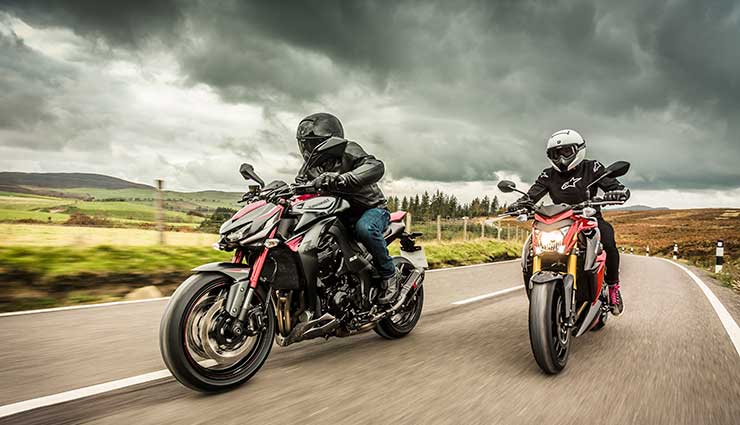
196	338
548	335
405	319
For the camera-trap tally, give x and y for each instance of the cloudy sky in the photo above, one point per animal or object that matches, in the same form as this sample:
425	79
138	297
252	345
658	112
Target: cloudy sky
450	95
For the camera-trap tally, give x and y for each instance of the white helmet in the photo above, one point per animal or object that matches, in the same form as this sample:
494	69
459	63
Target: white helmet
566	149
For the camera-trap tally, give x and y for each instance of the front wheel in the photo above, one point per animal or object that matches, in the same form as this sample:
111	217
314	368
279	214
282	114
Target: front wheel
548	335
405	319
196	338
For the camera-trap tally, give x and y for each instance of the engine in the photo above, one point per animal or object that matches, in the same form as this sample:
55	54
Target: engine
339	290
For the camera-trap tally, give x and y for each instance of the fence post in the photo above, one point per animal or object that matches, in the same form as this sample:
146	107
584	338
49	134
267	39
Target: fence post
498	231
719	256
482	229
632	250
439	228
465	228
647	251
675	251
408	222
159	205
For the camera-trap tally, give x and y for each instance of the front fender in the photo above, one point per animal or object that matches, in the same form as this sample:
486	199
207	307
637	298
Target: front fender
550	278
239	273
236	271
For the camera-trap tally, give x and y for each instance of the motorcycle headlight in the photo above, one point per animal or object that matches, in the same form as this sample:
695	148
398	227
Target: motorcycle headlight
550	241
239	233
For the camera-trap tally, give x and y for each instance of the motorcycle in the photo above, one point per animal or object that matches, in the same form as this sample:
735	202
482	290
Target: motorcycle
296	274
563	264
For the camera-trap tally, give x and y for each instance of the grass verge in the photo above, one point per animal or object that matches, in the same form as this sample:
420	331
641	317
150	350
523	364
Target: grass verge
42	277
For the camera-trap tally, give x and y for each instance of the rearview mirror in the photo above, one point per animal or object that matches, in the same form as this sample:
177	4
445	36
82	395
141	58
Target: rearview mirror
506	186
618	169
247	171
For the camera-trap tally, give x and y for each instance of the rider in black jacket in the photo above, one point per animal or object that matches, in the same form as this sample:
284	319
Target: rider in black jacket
566	183
355	175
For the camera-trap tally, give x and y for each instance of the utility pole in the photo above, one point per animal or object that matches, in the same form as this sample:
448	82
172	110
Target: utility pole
159	205
439	228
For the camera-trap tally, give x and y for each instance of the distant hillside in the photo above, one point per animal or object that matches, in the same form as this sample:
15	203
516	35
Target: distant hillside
101	188
67	181
638	208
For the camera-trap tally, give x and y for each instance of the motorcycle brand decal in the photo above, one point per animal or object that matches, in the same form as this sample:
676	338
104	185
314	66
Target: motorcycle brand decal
544	175
597	165
570	183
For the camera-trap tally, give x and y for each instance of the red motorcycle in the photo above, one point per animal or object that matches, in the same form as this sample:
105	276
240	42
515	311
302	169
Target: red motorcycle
563	264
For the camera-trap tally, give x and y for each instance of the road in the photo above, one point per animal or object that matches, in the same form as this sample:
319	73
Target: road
667	360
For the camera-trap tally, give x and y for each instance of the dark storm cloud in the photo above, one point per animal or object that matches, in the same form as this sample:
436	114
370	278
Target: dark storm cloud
478	85
121	22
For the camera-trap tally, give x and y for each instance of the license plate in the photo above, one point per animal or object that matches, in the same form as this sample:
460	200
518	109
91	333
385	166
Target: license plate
417	258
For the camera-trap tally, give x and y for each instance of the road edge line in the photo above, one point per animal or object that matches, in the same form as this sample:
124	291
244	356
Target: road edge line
79	307
728	322
63	397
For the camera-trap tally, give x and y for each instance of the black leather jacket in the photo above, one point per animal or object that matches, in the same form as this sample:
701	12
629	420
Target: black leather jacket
570	187
362	172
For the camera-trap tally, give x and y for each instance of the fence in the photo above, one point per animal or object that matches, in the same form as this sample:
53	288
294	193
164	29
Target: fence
468	229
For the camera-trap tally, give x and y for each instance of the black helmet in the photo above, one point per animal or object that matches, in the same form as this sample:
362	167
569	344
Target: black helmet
316	128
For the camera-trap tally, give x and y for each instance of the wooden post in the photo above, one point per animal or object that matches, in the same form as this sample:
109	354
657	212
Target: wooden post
465	228
439	228
408	222
159	204
498	231
482	229
508	231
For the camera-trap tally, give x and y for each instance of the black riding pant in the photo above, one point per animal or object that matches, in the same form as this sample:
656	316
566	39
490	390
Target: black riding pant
612	253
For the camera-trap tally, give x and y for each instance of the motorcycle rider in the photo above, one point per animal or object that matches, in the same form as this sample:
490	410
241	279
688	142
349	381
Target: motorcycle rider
566	183
354	176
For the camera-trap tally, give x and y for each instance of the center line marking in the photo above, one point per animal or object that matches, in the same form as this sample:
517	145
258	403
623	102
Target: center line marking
486	296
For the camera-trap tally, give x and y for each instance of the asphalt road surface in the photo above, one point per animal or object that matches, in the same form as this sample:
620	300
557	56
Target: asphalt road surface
667	360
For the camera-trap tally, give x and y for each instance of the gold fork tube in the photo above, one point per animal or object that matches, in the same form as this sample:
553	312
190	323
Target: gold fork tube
572	266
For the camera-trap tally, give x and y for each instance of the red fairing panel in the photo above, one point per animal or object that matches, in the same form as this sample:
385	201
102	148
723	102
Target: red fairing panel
601	260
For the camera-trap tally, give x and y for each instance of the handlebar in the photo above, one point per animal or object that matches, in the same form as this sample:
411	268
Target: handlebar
595	202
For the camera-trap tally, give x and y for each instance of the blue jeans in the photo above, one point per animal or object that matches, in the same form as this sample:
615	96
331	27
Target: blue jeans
369	230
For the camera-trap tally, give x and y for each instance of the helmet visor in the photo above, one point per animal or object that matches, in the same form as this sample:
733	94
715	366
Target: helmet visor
561	152
309	130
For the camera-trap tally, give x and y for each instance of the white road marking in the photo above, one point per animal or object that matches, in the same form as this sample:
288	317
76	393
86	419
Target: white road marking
486	296
472	266
24	406
731	327
80	307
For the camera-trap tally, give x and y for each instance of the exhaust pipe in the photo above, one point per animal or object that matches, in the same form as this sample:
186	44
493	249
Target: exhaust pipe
322	326
408	290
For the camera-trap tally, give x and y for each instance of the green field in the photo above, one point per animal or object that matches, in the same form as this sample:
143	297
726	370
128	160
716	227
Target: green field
17	207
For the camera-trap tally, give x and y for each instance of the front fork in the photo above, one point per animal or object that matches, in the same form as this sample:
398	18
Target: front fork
569	284
242	291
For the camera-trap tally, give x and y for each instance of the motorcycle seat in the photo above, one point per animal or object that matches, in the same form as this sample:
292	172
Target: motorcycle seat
398	216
